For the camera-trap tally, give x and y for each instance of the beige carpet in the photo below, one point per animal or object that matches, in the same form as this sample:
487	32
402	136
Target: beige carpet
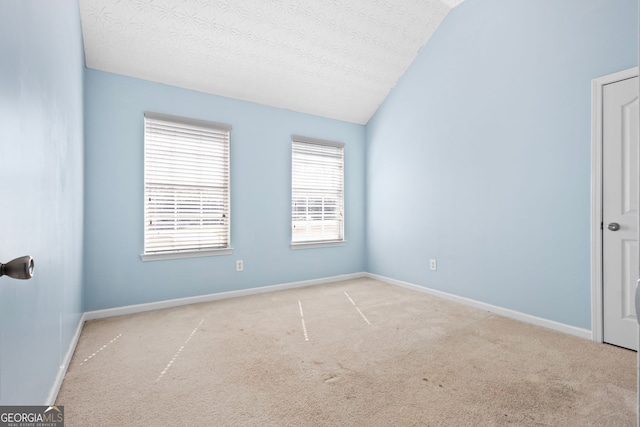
353	353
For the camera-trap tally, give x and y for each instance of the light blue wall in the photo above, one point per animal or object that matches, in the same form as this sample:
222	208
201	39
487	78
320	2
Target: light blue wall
260	196
41	179
480	157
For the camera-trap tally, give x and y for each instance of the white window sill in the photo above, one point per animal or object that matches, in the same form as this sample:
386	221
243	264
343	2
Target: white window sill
186	254
319	244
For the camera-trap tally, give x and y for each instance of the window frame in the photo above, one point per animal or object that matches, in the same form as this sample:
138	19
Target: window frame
339	204
195	251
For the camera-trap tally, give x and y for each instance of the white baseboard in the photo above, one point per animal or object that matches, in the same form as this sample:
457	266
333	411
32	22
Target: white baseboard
62	371
512	314
138	308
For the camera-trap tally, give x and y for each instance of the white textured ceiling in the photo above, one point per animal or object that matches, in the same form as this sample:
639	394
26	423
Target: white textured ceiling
331	58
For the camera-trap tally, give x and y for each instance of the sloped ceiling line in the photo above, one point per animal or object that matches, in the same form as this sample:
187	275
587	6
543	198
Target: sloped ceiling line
331	58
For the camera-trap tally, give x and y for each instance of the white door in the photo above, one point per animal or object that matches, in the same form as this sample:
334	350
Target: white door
620	211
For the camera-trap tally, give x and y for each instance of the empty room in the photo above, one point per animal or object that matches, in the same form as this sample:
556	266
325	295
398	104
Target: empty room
335	212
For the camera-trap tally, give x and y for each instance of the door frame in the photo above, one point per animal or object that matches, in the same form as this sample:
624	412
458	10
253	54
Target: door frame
597	86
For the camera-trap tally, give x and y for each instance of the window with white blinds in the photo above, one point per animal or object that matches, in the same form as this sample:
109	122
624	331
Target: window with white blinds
317	191
186	187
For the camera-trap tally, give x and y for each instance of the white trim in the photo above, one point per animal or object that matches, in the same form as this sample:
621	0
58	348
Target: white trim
62	371
310	140
319	244
597	85
139	308
205	124
185	254
512	314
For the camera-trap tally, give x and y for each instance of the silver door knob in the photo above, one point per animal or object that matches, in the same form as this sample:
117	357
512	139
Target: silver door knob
19	268
614	226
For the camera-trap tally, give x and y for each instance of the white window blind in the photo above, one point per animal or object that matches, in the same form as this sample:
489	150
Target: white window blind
317	191
186	179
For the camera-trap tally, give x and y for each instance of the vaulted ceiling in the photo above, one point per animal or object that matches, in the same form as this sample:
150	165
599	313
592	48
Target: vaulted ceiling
331	58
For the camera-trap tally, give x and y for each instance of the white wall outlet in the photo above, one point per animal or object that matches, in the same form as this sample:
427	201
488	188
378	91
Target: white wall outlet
239	265
433	265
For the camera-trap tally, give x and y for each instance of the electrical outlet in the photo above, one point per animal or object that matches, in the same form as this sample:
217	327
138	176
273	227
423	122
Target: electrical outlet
433	265
239	265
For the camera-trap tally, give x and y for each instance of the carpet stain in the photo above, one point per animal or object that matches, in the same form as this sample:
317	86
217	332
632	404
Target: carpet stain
332	379
533	394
